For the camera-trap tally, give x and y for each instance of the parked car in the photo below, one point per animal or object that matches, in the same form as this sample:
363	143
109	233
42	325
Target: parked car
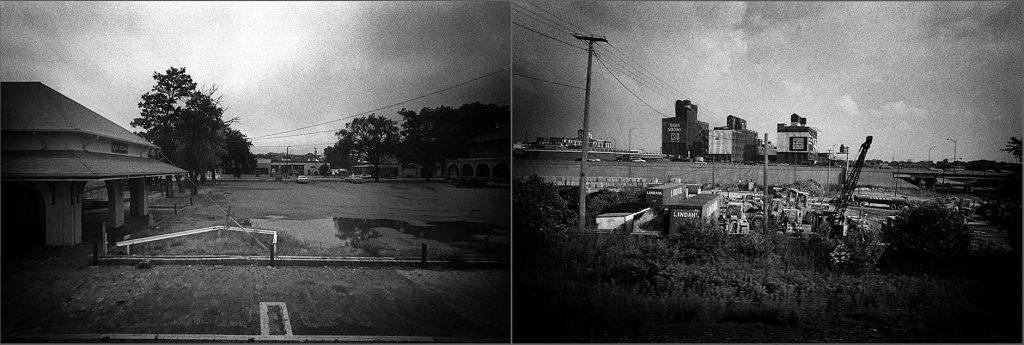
638	160
302	179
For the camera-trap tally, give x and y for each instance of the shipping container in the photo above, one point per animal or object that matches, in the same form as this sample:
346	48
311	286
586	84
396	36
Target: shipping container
666	194
702	207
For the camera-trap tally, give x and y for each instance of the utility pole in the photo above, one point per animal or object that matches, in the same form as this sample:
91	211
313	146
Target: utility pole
764	191
585	142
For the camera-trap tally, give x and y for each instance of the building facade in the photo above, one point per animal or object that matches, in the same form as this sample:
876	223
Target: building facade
733	142
797	142
682	136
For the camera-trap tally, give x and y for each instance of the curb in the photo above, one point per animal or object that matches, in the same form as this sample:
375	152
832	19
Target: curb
104	337
297	261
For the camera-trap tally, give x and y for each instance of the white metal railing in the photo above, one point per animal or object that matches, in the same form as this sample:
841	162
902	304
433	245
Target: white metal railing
127	243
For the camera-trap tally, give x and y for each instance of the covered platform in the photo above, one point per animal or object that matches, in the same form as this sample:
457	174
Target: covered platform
51	147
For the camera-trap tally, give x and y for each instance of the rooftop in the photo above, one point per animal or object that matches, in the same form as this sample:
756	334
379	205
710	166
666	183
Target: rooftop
35	107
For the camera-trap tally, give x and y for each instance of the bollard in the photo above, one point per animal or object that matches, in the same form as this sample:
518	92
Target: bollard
103	232
273	254
150	221
423	254
95	253
190	201
175	209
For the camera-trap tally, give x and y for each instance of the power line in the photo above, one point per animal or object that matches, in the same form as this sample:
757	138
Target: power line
556	16
599	59
638	79
547	81
546	35
387	106
536	15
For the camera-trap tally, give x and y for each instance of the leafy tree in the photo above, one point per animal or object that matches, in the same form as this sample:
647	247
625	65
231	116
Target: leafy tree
420	139
541	214
373	137
238	157
161	108
199	133
929	230
1014	148
324	169
340	155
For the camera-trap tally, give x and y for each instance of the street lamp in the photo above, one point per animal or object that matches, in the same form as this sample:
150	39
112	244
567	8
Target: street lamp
631	139
954	149
930	154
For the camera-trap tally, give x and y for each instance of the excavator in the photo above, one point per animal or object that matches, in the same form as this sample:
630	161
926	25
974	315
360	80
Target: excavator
838	216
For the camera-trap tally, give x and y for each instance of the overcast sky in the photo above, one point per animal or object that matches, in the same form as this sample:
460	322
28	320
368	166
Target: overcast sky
911	74
279	66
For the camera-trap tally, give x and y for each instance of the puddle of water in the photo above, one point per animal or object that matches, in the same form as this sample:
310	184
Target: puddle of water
342	231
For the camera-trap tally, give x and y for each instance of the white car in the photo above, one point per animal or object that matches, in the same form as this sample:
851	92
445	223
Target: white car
638	160
302	179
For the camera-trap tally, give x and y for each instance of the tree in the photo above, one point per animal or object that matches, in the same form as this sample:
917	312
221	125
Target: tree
929	230
161	108
324	169
420	139
1014	148
339	155
541	214
375	138
238	156
199	133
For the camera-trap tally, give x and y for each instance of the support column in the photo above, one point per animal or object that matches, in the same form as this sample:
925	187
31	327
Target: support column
168	186
115	203
63	202
139	196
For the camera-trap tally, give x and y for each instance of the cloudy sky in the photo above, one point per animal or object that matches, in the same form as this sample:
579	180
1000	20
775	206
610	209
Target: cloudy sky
279	66
911	74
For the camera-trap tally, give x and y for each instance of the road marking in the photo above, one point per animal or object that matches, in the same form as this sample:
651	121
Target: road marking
280	315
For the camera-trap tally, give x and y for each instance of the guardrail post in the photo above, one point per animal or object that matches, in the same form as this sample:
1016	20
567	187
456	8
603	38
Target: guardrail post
175	209
103	232
423	254
273	254
190	201
95	253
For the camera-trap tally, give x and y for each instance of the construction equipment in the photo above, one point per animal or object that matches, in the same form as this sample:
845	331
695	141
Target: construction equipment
846	197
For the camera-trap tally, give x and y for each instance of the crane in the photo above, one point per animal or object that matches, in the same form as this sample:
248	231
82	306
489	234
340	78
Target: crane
846	196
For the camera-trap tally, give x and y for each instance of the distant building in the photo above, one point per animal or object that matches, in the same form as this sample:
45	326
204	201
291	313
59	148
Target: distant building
772	151
797	142
487	157
733	142
683	136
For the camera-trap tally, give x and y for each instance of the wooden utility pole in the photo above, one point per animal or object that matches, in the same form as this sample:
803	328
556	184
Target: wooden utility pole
764	191
585	142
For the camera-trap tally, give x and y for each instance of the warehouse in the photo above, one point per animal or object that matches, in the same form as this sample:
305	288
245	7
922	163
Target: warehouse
703	207
797	142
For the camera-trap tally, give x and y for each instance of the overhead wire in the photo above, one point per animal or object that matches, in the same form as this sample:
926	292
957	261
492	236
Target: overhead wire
387	106
628	89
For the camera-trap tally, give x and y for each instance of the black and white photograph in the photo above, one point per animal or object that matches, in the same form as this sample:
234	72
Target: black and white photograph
511	171
255	172
781	172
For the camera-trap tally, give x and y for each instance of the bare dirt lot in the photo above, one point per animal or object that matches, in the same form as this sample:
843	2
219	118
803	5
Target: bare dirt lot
333	218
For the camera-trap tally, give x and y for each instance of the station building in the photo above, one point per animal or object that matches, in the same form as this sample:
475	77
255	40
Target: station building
487	157
733	142
682	136
797	142
51	147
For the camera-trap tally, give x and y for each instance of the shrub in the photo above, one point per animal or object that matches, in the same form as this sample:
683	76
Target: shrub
859	251
931	229
540	212
698	241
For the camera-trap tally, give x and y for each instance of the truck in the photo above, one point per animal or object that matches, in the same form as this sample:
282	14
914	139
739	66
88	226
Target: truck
890	201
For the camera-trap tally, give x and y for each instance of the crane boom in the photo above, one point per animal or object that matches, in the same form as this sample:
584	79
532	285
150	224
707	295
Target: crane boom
846	196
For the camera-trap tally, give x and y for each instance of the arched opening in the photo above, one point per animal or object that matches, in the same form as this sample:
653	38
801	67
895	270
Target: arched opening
501	171
453	170
467	171
24	221
482	170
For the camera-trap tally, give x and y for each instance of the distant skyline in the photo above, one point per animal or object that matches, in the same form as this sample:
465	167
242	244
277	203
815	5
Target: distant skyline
278	65
911	74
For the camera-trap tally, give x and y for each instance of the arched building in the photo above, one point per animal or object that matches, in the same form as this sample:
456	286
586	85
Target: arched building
51	147
488	157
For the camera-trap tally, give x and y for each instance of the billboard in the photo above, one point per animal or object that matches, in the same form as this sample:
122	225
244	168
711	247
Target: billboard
798	144
671	131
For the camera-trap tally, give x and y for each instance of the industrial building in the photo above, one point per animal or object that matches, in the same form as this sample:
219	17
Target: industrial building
682	136
733	142
797	142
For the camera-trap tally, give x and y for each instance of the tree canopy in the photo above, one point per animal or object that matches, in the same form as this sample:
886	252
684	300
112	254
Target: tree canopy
185	122
374	138
1014	148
